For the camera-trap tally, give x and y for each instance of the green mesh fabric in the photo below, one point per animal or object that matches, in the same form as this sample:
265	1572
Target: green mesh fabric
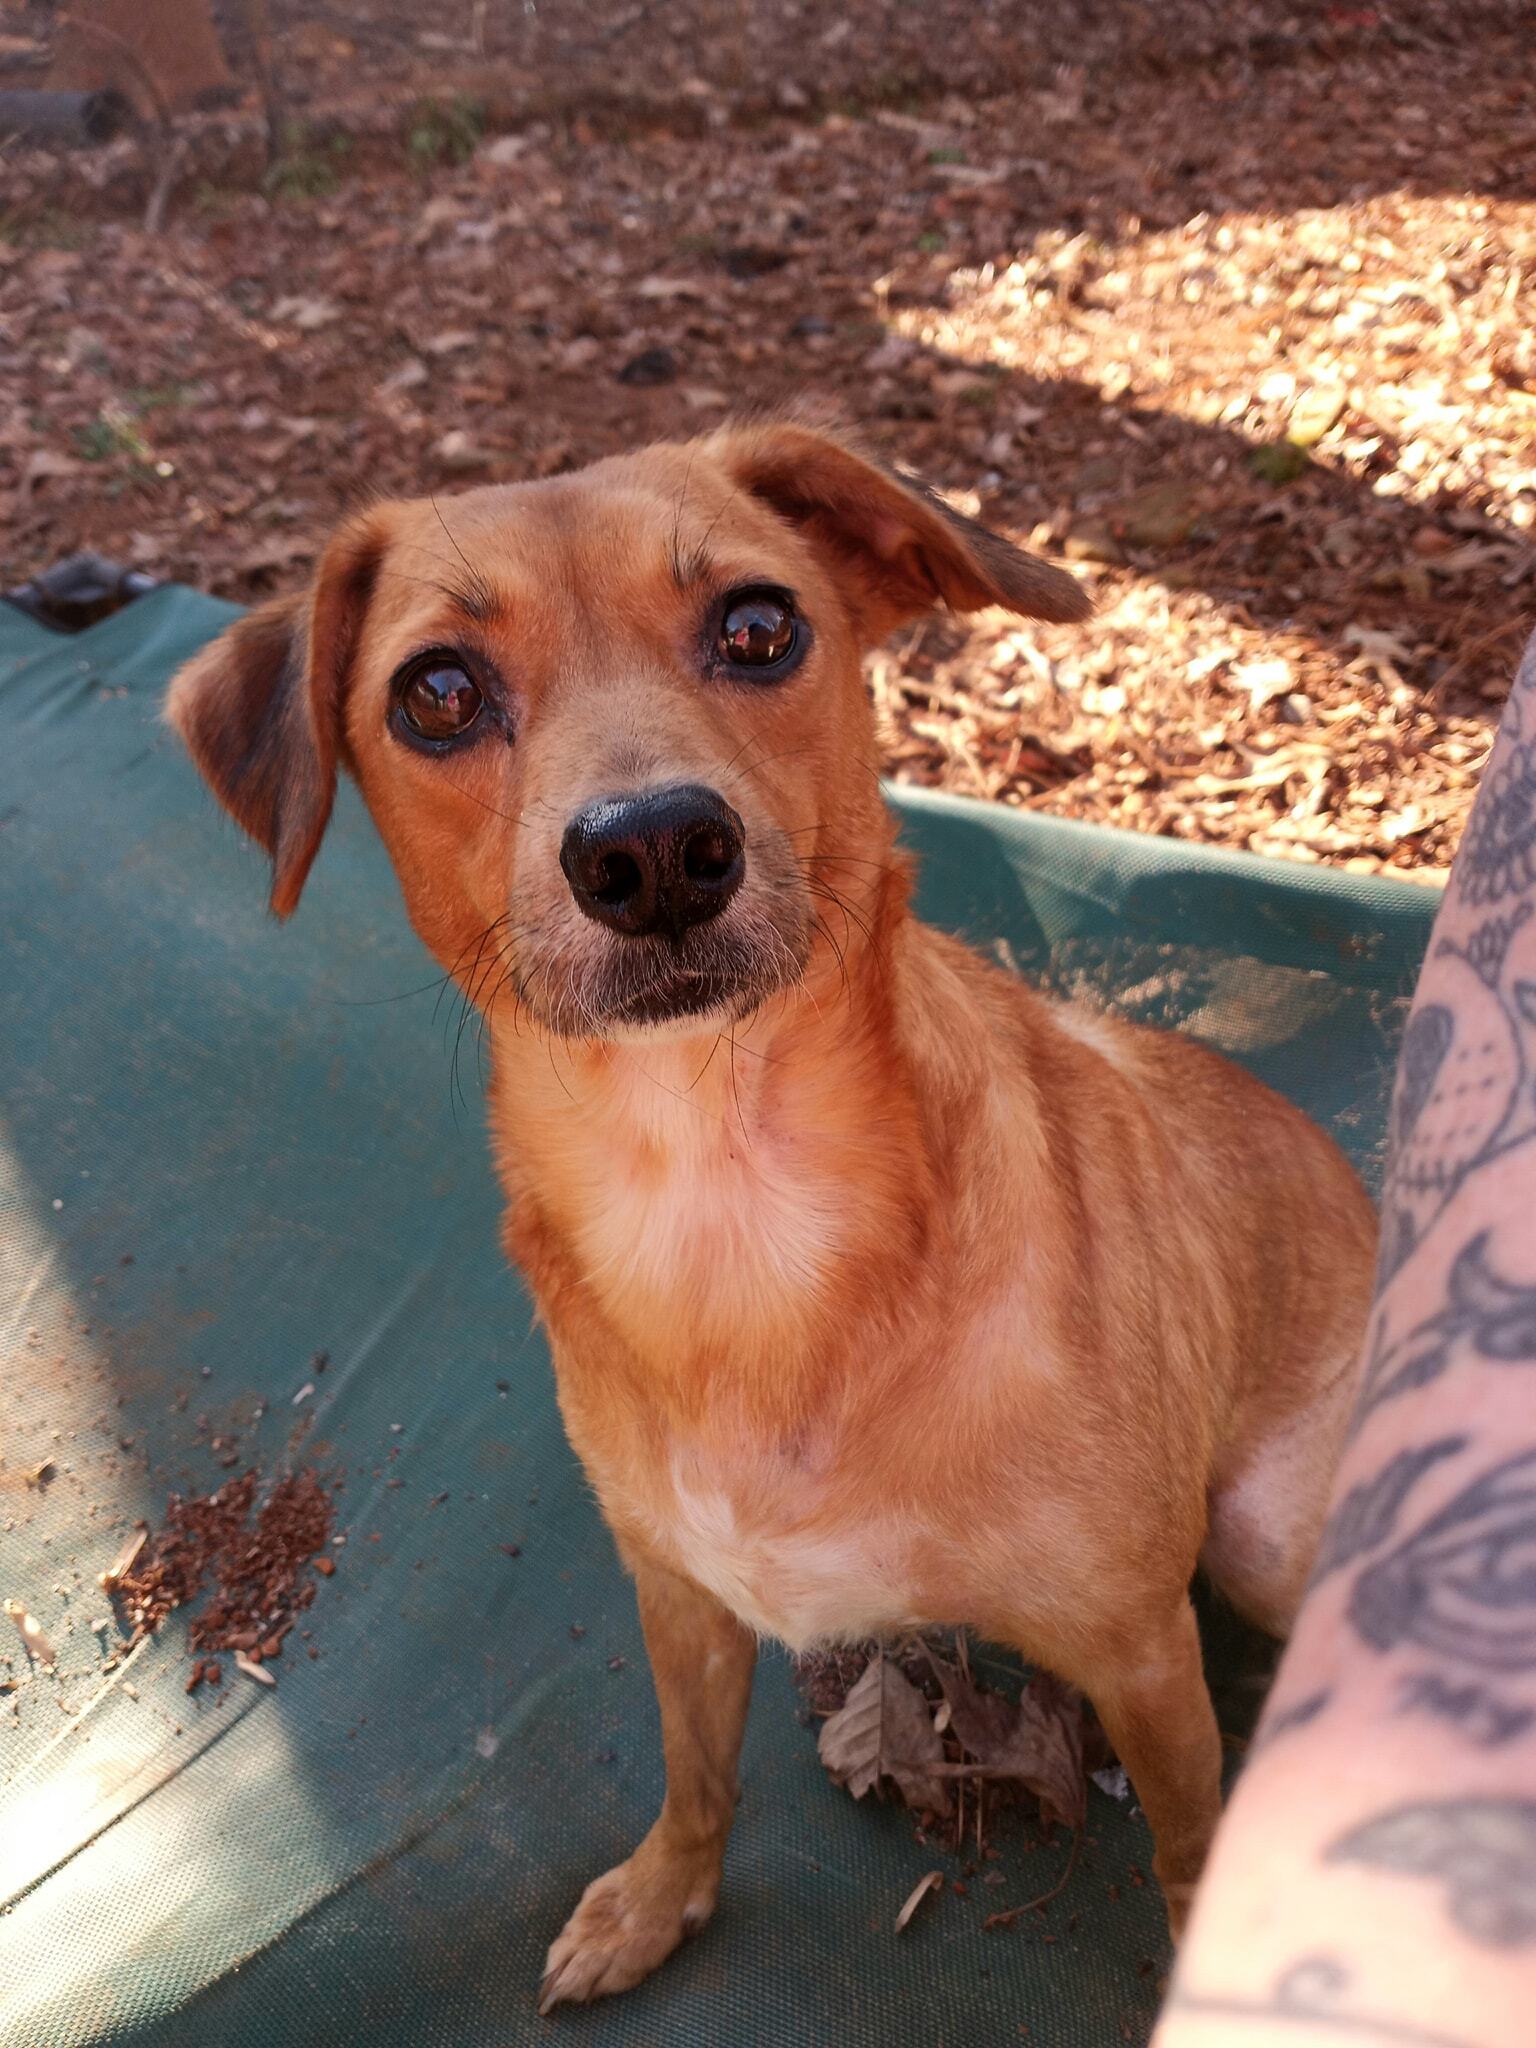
380	1850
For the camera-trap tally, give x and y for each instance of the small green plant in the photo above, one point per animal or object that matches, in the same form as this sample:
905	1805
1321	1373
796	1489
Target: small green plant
114	439
931	243
167	397
1279	462
444	131
946	155
49	227
307	166
215	200
982	396
113	434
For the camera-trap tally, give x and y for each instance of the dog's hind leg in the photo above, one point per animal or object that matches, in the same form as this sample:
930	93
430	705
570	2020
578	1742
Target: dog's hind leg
1157	1713
1269	1499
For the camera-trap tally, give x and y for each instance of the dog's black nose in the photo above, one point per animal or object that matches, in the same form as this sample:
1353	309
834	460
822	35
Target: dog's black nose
658	862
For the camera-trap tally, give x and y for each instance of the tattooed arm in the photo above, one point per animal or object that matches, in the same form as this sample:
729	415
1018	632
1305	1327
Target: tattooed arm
1375	1879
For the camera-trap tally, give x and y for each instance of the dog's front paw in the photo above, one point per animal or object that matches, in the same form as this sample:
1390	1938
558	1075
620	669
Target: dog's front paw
628	1921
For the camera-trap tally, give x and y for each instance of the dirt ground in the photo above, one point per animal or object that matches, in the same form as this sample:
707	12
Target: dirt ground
1230	306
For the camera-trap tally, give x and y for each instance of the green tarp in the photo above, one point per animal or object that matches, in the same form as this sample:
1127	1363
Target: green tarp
226	1146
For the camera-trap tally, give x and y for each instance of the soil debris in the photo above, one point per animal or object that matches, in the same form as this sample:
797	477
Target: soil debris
256	1569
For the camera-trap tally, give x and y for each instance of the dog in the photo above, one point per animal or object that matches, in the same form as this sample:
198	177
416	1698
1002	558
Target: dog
882	1293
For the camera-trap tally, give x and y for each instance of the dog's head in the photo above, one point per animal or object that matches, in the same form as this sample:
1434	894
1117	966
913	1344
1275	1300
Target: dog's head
612	727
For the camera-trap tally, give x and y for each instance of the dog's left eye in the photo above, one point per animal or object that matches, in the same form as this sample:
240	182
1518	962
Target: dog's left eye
757	629
439	699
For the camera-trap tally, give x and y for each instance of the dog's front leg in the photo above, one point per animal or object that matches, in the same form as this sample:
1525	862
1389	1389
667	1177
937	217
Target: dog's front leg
632	1918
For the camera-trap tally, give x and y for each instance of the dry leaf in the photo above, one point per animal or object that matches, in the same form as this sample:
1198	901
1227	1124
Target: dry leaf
931	1883
307	314
1038	1741
885	1730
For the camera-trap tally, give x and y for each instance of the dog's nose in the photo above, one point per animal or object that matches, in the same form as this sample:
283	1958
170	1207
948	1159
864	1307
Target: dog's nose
657	862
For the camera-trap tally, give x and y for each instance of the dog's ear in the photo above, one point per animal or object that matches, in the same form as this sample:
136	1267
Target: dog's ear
899	548
260	708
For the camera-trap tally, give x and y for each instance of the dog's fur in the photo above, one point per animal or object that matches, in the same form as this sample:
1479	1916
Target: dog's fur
882	1293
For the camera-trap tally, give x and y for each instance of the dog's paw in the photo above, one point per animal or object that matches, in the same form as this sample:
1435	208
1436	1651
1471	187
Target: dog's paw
628	1921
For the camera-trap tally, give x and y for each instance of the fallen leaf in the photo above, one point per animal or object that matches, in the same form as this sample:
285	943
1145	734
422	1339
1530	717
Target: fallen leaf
43	463
276	551
1037	1741
450	341
1159	517
1279	462
1263	680
668	288
1314	413
651	366
502	150
307	314
885	1730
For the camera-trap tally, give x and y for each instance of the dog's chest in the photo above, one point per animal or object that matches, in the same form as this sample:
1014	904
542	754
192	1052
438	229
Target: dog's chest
692	1222
774	1549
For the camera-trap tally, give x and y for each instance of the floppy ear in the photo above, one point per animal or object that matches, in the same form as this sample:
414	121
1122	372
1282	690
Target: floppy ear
898	547
260	707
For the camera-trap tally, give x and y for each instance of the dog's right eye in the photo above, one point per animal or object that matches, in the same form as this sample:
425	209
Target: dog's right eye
438	699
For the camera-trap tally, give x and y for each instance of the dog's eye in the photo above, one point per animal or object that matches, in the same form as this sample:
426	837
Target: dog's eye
757	629
439	700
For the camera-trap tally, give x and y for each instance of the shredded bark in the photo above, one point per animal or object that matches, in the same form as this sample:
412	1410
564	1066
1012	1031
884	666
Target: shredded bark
1232	308
256	1571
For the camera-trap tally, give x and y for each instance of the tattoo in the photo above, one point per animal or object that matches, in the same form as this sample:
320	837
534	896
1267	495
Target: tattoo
1496	1316
1463	1094
1368	1513
1310	1994
1282	1722
1497	858
1463	1584
1480	1715
1482	1850
1488	946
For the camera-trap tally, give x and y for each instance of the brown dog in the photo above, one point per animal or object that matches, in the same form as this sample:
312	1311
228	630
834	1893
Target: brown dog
881	1292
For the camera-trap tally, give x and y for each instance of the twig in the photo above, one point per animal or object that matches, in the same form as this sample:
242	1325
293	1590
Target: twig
1006	1919
165	180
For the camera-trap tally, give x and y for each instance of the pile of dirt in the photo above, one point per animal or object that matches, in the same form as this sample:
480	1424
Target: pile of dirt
262	1573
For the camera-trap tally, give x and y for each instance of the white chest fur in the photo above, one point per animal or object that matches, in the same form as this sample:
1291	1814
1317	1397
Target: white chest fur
779	1566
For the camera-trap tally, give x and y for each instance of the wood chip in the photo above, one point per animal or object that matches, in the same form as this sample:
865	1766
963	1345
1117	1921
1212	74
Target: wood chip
124	1561
39	1649
933	1882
